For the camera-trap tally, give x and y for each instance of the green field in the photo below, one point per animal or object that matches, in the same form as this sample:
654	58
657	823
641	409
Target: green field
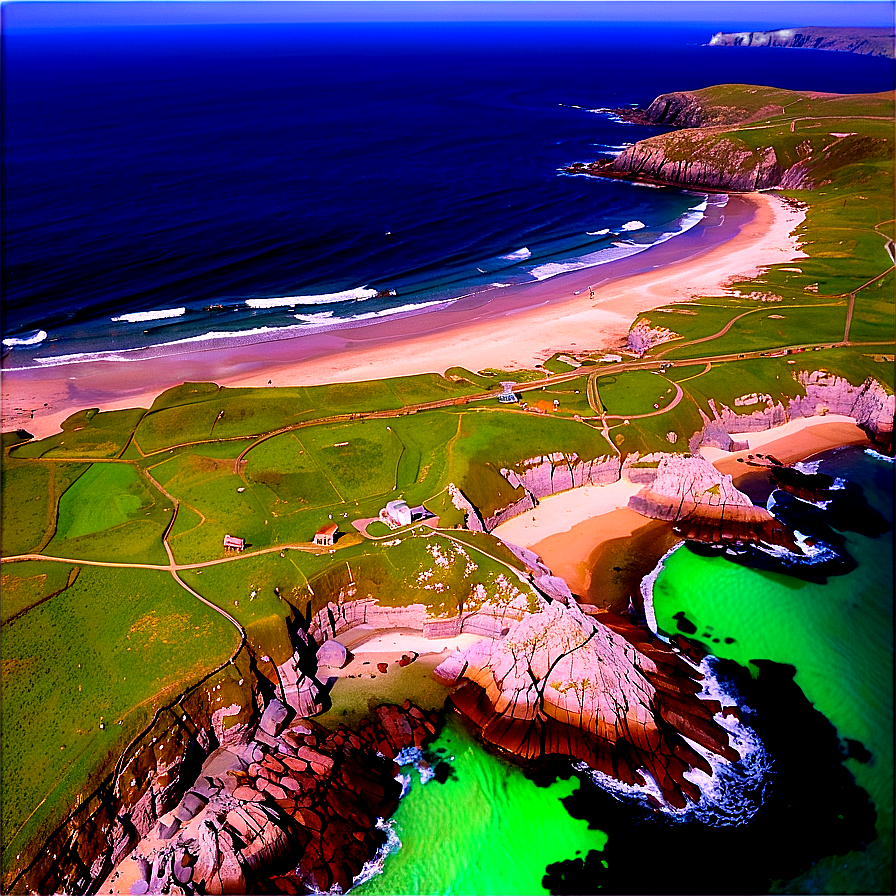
106	651
112	513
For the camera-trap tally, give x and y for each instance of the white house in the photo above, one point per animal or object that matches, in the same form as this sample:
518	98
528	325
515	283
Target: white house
395	514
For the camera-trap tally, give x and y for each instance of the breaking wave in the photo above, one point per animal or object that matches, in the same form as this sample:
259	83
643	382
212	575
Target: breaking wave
33	338
137	317
519	255
347	295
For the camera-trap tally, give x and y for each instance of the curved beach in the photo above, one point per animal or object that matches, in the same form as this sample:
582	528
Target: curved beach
514	327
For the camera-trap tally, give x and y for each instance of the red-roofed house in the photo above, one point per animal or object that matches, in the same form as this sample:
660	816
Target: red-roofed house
232	543
326	535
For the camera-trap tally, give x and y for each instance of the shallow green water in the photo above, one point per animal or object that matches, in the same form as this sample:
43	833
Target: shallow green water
488	830
839	636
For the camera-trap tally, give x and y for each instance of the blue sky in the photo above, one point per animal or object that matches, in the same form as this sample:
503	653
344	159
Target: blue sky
750	13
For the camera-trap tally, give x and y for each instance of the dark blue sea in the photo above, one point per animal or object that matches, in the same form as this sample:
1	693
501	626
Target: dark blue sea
163	183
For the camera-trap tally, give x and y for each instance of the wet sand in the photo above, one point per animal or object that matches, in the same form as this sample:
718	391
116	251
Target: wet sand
511	328
603	552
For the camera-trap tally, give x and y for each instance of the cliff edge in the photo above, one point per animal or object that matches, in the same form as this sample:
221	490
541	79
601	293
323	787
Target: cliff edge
740	138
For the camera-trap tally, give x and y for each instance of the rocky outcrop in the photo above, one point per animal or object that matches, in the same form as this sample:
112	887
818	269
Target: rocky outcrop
146	782
705	505
295	808
602	692
694	159
472	517
155	770
869	41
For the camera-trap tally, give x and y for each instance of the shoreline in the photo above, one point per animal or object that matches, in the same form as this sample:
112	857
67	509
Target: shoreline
547	316
577	530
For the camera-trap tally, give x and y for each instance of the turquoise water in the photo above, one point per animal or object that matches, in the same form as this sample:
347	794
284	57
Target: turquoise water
487	830
838	635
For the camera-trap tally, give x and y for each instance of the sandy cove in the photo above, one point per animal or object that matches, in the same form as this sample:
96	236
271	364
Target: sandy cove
509	328
569	530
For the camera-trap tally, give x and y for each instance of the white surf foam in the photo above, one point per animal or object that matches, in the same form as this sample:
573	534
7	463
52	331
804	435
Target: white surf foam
137	317
347	295
34	338
633	225
731	794
519	255
603	232
385	312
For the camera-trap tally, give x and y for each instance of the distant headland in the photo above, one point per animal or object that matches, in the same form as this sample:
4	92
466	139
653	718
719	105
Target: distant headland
869	41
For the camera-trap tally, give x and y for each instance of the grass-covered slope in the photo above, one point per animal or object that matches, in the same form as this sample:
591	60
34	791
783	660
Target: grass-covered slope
739	138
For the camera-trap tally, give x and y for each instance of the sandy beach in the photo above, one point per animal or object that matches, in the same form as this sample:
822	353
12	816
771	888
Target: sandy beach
515	327
588	535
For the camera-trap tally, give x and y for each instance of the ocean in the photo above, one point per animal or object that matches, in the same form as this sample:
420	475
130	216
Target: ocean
215	183
836	634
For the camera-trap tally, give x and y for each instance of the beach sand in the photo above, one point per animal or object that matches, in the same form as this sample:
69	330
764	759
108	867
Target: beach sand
589	537
510	328
361	686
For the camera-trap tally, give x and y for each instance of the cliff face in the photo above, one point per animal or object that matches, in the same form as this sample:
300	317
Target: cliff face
738	138
156	769
149	778
870	41
549	474
872	407
694	159
295	807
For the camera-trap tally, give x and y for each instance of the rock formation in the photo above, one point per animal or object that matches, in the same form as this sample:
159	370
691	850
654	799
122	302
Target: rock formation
706	506
869	41
603	692
869	404
294	809
710	154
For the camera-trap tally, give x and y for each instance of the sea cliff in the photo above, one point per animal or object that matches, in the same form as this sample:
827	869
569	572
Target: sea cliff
870	41
736	138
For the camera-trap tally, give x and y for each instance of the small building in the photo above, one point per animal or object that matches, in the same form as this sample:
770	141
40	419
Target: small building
395	514
232	543
508	396
326	535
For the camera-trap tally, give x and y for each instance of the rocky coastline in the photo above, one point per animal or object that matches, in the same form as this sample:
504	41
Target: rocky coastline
293	809
868	41
705	151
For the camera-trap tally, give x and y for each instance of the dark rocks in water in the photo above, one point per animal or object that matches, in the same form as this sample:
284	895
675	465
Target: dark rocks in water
854	749
684	624
292	813
444	771
810	807
807	486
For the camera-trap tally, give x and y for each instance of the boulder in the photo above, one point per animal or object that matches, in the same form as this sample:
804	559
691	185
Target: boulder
333	654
